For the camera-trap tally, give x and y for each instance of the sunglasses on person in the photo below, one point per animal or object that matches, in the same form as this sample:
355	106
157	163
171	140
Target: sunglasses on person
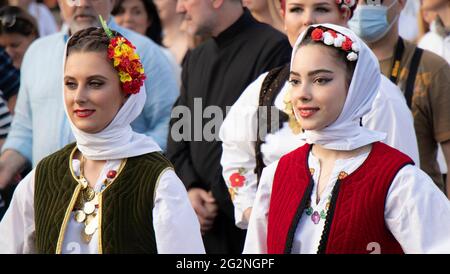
13	23
8	20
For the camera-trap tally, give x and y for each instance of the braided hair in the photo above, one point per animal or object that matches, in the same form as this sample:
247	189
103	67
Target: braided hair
89	40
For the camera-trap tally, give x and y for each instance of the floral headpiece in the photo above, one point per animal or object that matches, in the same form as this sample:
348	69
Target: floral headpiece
331	38
126	61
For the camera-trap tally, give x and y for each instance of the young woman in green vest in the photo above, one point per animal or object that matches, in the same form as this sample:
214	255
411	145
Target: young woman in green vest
112	191
343	191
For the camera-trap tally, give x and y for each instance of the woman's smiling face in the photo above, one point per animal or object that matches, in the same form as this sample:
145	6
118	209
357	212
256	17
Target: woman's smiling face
92	91
318	86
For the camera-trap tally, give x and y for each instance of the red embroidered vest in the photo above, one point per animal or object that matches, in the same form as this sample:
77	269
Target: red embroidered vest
355	220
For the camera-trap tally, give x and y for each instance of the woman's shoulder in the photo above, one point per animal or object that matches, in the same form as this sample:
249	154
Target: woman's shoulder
153	159
61	155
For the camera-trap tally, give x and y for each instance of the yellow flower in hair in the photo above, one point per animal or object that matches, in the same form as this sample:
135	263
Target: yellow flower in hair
134	57
126	61
116	61
124	77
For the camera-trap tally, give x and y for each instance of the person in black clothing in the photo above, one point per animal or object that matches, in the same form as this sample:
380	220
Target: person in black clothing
215	74
9	87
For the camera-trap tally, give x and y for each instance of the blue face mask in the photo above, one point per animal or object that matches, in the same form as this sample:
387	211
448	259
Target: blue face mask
370	22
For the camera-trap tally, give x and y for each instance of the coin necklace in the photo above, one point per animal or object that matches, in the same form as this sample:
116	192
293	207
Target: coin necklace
87	203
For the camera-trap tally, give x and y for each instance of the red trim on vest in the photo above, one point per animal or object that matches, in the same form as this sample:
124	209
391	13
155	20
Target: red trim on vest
355	221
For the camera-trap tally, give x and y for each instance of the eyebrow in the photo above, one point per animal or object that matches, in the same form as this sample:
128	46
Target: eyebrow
315	4
68	78
311	73
96	76
314	72
294	73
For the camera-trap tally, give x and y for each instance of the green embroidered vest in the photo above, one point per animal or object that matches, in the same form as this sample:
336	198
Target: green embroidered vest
125	206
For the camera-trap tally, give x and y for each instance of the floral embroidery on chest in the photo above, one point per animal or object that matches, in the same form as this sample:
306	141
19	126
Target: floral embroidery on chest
237	180
316	216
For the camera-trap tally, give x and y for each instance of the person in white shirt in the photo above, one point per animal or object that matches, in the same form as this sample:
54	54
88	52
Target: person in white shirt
242	161
343	191
112	191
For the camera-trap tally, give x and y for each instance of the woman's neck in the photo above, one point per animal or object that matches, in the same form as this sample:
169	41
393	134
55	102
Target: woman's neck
263	17
91	169
171	31
175	40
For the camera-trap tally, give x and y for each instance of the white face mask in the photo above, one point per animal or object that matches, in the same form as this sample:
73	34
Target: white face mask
370	23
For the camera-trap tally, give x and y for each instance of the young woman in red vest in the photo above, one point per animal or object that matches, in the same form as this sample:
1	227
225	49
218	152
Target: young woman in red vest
343	191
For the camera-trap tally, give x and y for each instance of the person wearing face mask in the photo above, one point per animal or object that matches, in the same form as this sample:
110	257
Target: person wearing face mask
112	191
343	192
247	148
423	77
32	137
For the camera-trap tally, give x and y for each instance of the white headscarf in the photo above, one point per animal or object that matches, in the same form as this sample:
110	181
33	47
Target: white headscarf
117	140
346	133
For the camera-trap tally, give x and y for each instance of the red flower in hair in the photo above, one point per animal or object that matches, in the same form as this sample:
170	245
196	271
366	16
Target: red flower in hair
317	34
127	63
347	44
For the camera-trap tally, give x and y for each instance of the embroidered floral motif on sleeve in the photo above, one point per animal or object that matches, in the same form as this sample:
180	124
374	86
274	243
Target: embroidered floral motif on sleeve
237	180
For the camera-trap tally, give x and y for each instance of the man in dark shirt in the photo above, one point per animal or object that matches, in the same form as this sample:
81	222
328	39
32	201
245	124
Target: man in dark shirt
214	76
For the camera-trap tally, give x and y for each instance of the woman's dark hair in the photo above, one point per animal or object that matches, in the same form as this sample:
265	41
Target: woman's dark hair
154	31
339	54
16	20
89	40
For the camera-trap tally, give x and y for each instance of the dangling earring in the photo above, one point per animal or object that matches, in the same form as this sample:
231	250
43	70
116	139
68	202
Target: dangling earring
294	123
